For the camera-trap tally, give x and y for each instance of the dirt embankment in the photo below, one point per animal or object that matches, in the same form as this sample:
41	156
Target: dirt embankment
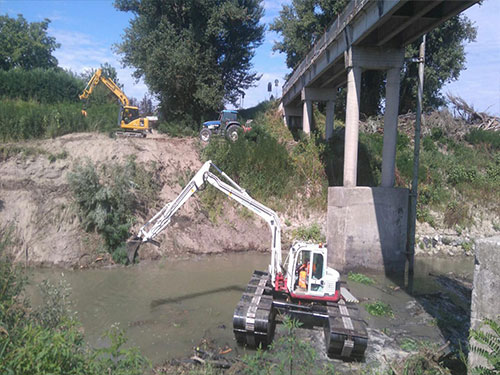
35	198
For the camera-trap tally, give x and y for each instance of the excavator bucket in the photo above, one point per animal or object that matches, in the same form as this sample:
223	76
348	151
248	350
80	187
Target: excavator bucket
132	246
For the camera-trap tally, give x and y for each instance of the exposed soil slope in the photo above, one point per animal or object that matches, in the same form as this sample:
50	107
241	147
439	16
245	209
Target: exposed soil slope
36	199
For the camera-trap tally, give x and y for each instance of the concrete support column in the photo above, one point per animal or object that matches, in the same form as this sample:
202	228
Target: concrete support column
330	117
307	116
485	303
352	126
290	112
390	127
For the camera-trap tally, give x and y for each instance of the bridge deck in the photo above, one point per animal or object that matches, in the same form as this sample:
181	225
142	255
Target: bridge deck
368	23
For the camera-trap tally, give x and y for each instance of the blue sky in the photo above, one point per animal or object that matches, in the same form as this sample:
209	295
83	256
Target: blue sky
88	29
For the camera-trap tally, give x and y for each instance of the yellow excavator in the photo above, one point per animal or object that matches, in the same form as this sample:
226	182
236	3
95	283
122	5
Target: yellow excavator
129	119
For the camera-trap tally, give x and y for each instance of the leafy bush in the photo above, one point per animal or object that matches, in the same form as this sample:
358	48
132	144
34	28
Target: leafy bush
40	85
488	137
459	173
485	342
56	304
28	120
311	233
107	198
256	161
50	340
286	355
425	216
309	168
177	129
457	214
429	145
437	134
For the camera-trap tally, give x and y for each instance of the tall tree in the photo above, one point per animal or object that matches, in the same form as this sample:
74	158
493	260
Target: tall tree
445	58
301	22
26	45
194	54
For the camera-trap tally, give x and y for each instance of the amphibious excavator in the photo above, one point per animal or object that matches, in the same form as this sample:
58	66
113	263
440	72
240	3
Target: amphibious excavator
129	120
304	288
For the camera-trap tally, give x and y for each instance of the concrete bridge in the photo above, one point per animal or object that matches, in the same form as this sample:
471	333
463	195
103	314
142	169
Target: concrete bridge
367	227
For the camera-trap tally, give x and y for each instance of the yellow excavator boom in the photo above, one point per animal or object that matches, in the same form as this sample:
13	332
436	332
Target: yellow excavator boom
113	87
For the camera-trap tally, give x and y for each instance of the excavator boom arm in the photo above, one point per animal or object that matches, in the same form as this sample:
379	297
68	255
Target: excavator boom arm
113	87
161	220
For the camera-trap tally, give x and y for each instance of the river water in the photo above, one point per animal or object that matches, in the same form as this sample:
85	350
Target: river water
167	307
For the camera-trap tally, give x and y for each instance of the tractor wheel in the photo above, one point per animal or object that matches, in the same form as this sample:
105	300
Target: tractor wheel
232	133
205	134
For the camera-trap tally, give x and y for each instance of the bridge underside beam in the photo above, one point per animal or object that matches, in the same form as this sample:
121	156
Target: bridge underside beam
310	95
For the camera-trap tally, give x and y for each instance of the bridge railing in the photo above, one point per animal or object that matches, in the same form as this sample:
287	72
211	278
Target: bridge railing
336	27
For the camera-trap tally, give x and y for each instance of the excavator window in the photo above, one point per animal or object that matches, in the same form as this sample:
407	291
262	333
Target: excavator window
317	266
130	114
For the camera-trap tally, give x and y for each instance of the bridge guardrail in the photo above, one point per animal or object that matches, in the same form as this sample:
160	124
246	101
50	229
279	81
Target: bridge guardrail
336	27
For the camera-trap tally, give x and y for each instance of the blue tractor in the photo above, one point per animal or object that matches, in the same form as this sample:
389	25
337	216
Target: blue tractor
227	125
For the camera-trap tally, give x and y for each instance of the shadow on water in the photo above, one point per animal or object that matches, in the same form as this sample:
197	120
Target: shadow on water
164	301
450	307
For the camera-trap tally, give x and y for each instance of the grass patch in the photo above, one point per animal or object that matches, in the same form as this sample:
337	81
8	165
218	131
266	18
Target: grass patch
9	151
409	345
61	155
379	308
360	278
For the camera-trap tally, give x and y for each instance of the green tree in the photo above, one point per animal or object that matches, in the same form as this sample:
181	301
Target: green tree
194	55
300	24
303	21
26	45
444	60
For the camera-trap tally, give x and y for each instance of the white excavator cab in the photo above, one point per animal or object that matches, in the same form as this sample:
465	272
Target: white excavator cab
308	274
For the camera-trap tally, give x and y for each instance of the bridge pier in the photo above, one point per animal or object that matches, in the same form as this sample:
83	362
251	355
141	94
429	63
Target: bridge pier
352	126
330	117
390	127
307	116
291	115
310	95
366	226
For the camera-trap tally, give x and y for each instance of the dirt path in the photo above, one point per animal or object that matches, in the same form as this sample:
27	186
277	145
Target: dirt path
35	198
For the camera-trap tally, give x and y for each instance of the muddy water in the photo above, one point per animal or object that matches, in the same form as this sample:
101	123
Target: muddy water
168	306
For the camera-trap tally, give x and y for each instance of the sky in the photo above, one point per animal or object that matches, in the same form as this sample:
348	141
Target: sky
88	30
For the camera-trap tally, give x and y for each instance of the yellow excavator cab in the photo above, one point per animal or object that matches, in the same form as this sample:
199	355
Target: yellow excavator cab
130	121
